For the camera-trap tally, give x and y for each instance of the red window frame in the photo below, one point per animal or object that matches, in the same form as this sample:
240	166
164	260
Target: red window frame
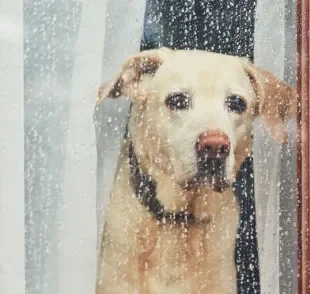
303	170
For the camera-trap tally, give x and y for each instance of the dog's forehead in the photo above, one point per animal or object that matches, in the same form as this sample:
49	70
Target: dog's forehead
202	58
198	69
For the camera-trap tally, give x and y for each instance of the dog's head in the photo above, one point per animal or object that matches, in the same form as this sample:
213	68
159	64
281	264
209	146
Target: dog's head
193	110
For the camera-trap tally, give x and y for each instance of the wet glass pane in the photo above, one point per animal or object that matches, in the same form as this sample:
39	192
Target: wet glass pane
265	255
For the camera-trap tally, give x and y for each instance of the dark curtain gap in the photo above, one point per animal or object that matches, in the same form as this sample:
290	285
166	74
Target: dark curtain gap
219	26
226	27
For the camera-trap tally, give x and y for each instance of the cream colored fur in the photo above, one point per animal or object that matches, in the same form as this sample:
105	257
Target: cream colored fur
140	254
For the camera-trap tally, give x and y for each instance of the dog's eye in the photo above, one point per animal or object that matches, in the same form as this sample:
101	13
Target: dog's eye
178	101
236	104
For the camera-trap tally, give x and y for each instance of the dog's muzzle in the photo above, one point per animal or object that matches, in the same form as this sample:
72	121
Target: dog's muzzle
212	150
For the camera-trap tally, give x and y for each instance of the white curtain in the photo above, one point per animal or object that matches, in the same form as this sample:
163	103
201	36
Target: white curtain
269	54
77	216
63	63
274	165
12	271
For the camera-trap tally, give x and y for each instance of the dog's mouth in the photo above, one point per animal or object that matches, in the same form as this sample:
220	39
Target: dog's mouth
210	172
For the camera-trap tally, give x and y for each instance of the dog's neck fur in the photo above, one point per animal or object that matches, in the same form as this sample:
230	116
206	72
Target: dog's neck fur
145	190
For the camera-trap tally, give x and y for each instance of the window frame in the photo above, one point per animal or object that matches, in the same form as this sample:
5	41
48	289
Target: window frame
303	170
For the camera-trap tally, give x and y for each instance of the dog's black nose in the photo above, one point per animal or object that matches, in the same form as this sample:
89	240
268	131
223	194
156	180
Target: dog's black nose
213	145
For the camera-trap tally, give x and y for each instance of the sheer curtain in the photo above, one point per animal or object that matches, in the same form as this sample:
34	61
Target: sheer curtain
78	234
63	63
12	271
274	165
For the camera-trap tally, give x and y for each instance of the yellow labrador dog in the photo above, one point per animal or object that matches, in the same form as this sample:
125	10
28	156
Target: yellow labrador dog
172	218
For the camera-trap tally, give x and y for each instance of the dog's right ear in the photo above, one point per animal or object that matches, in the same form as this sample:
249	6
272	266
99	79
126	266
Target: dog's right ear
276	101
127	82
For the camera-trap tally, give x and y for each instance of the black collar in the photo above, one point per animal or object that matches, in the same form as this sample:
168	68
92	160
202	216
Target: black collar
145	191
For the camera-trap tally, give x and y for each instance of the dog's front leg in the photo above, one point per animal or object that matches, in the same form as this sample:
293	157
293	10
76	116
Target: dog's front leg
222	278
118	275
220	243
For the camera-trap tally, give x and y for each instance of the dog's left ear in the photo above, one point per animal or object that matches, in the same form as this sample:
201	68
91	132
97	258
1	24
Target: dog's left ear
127	81
276	101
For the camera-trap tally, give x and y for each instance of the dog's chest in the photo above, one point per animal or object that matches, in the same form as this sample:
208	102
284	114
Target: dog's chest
181	260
